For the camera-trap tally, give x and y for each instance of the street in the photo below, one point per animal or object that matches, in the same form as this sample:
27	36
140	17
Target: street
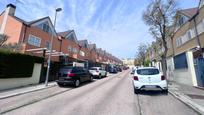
108	96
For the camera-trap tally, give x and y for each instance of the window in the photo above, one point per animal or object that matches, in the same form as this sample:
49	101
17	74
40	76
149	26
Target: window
180	61
189	35
33	40
178	42
47	45
193	33
201	3
200	28
82	53
69	48
203	23
181	20
74	50
148	71
46	28
71	37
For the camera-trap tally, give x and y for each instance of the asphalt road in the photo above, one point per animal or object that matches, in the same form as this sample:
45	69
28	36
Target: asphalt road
113	95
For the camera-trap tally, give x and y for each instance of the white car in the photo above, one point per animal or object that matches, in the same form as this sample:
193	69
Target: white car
97	72
149	78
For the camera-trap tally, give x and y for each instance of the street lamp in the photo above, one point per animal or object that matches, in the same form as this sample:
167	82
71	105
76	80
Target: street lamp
50	53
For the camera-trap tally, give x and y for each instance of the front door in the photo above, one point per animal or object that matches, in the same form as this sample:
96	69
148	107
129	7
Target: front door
199	70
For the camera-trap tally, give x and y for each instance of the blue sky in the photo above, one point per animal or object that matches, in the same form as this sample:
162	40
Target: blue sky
114	25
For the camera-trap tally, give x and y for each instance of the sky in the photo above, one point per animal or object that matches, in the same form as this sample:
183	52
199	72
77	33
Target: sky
113	25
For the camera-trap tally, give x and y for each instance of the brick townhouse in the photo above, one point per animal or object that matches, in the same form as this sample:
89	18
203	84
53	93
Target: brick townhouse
34	34
185	61
37	35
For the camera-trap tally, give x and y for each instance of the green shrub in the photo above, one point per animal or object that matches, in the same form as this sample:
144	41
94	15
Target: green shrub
16	65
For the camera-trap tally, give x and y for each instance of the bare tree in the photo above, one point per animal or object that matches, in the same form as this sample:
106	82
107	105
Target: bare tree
3	39
159	16
141	53
15	47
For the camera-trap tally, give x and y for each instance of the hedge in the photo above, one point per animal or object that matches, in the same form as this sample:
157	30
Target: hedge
16	65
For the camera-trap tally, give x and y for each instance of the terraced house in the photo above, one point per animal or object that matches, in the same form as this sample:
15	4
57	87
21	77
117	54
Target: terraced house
35	37
185	61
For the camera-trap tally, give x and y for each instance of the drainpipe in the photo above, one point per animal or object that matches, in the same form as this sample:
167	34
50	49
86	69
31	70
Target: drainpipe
196	32
24	33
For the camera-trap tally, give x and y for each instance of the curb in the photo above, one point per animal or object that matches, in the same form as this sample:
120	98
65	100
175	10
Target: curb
199	87
16	94
186	100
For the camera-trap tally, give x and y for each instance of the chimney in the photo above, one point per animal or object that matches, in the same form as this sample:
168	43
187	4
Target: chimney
10	9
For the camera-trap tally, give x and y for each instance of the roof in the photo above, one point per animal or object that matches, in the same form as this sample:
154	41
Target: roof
65	33
91	46
190	12
82	42
34	21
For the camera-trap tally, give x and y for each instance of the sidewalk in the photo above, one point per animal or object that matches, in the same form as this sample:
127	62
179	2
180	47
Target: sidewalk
191	96
22	90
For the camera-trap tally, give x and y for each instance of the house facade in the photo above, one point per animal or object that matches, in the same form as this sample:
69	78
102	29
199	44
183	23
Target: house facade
35	37
186	47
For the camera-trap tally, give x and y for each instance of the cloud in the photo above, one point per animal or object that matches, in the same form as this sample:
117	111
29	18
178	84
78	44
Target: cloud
114	25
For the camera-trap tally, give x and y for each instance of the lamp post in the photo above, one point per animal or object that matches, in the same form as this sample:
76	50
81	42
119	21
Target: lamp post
50	53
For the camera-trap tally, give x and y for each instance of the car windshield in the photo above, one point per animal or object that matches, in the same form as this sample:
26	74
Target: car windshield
148	71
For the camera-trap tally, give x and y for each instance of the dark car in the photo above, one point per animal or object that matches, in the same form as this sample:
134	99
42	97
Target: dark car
113	70
119	69
73	75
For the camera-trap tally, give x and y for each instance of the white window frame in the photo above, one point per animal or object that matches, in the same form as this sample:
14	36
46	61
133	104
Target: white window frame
82	53
48	44
35	41
74	50
193	33
202	3
178	41
200	28
188	35
69	48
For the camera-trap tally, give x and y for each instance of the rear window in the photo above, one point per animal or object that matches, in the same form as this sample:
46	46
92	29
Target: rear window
93	69
66	69
148	71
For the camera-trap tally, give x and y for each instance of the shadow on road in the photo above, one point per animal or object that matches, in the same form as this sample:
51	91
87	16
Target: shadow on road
152	93
81	85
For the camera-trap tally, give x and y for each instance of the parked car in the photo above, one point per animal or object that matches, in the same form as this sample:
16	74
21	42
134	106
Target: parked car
73	75
98	72
125	68
119	69
149	78
113	70
133	71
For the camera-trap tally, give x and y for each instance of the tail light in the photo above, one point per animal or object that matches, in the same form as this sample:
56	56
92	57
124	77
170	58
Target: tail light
163	77
135	78
71	75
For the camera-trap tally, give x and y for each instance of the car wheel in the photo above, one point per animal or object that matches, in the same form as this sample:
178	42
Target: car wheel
91	78
77	83
165	91
60	85
99	76
136	91
105	74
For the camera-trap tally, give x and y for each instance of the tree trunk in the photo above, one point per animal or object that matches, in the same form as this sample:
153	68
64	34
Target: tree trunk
164	65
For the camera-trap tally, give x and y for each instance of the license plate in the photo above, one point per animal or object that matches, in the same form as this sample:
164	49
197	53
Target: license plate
150	86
